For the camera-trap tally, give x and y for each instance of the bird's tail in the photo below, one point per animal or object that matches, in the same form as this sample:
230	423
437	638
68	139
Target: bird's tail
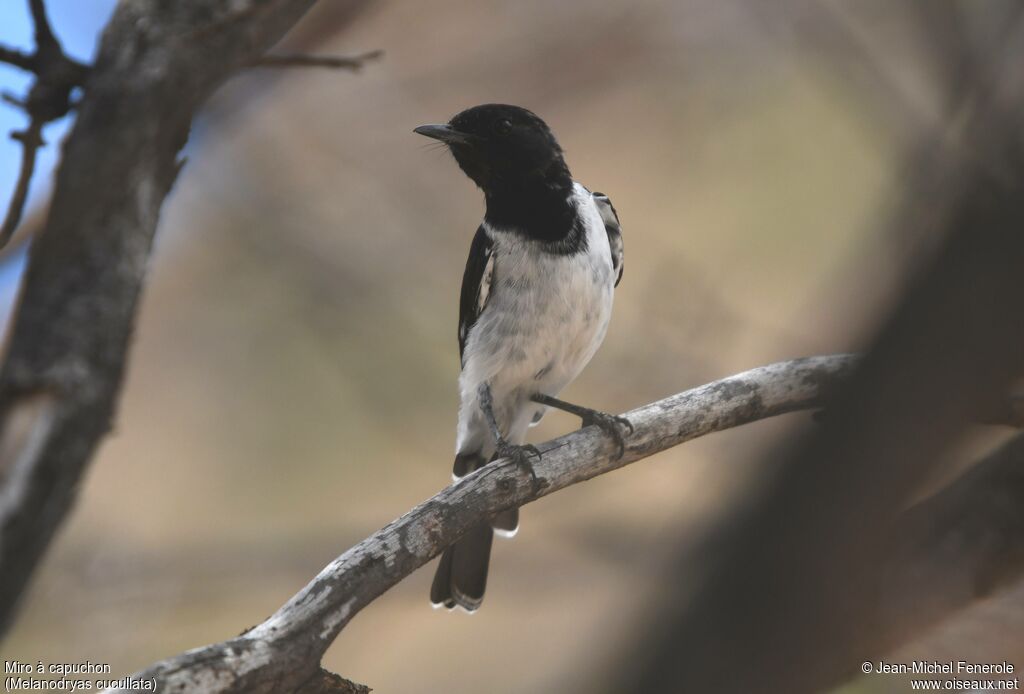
505	523
461	577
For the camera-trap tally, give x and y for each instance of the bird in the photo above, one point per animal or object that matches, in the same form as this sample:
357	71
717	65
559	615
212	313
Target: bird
535	304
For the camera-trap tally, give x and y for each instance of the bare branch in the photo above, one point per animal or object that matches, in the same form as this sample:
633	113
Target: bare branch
348	62
31	140
18	59
48	99
287	647
45	40
324	682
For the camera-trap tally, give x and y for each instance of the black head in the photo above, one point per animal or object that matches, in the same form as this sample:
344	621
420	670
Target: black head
500	146
515	159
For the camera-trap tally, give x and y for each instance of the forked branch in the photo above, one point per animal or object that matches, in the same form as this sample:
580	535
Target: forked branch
49	98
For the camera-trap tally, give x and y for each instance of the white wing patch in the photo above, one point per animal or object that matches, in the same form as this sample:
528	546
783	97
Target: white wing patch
483	293
611	225
485	285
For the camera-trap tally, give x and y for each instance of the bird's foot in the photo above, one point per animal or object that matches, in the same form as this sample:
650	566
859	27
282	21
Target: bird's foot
611	424
521	456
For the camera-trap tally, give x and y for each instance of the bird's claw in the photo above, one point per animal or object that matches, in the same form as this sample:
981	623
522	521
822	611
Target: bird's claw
521	455
612	425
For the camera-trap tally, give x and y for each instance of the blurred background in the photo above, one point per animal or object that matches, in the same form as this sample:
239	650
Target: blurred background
292	386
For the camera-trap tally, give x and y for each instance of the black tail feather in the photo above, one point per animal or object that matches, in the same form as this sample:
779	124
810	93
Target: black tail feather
506	522
440	589
461	577
465	463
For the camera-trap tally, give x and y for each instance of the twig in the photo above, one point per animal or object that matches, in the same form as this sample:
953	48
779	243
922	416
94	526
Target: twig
48	99
31	139
347	62
45	40
17	59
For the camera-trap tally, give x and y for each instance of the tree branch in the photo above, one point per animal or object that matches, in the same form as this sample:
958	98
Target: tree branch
31	139
45	40
348	62
48	99
287	647
67	347
18	59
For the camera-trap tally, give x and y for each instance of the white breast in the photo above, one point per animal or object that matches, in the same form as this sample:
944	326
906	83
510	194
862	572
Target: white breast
546	316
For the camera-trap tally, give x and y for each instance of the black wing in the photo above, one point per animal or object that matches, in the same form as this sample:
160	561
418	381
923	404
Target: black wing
476	286
614	230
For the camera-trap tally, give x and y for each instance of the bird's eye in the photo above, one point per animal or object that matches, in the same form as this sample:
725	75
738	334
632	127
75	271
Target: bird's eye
503	127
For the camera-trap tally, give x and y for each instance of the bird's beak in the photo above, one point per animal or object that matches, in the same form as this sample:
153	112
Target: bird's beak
444	133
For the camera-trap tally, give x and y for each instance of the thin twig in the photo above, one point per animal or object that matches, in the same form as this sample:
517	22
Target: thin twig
48	99
31	140
18	59
345	62
45	39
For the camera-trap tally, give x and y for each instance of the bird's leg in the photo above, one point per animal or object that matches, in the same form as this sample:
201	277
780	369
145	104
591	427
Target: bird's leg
503	449
608	423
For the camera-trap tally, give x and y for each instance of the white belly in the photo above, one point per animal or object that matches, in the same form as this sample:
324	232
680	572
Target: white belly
545	318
